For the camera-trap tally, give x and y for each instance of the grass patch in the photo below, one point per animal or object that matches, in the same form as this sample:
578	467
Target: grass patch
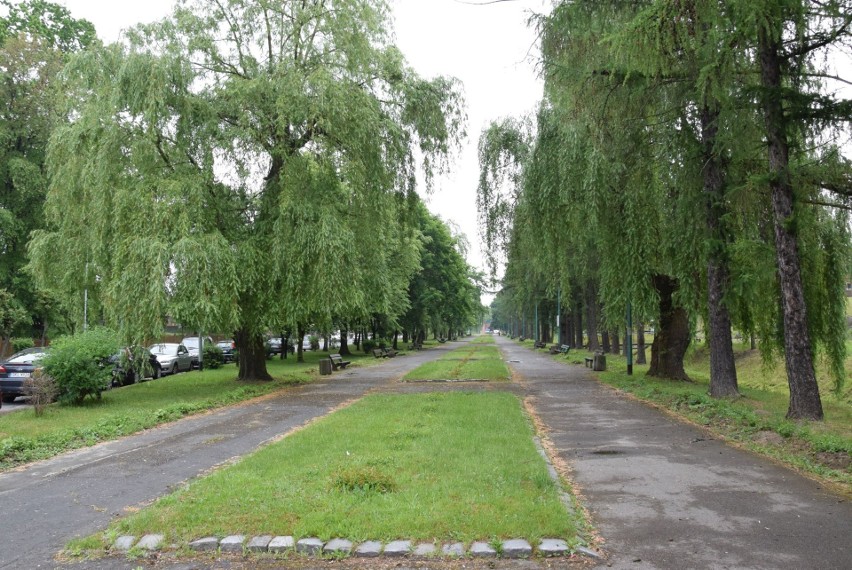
25	437
475	361
757	419
440	466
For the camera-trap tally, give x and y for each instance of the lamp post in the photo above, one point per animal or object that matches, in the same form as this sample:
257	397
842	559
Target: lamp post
629	340
558	315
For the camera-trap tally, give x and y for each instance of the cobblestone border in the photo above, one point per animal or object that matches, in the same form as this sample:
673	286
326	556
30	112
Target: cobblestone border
312	546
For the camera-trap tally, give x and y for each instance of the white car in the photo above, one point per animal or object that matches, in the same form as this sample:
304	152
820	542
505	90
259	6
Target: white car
173	357
192	344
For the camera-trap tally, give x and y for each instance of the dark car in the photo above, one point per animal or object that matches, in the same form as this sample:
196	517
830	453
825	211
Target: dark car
17	369
227	347
273	346
122	377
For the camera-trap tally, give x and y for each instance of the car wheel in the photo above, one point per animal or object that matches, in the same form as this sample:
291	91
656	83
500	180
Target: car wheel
175	368
8	398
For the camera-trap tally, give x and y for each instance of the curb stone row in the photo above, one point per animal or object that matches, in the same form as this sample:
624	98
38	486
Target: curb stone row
237	543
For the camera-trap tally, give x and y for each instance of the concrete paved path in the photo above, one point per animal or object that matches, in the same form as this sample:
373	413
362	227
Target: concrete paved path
663	494
46	504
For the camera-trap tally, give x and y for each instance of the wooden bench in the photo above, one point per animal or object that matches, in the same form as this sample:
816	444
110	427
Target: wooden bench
415	346
378	353
337	362
540	344
442	340
589	360
389	352
564	349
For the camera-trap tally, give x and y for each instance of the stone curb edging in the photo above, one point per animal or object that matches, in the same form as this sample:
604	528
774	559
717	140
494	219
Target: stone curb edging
312	546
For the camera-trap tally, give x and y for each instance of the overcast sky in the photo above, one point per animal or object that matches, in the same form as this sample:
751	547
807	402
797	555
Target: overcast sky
489	47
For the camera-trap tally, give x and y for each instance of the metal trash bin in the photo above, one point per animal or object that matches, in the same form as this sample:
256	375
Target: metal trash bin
325	367
599	363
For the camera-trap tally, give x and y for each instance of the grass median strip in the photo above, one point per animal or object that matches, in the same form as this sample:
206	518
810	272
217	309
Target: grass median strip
479	360
442	466
25	437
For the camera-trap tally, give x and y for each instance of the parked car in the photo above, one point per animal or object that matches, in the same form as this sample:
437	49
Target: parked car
173	357
273	346
122	377
16	369
193	344
227	347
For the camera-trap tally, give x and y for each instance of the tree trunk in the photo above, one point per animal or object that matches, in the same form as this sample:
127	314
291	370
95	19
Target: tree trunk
672	337
805	400
616	342
395	337
723	372
344	343
640	343
285	340
606	347
300	340
591	316
252	356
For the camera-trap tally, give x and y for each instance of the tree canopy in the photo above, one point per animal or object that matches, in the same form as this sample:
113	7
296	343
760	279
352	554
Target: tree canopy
241	165
646	180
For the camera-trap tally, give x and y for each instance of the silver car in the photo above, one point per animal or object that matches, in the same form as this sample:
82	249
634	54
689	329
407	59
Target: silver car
173	357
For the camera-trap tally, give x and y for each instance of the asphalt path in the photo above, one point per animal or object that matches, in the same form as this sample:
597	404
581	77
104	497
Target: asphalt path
665	494
46	504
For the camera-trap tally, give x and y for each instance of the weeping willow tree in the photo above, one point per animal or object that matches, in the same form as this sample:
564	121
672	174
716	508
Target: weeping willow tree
223	167
647	178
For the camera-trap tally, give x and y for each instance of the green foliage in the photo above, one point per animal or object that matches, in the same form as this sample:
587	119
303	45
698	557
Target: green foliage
35	37
319	124
368	345
19	344
213	356
11	313
78	364
47	21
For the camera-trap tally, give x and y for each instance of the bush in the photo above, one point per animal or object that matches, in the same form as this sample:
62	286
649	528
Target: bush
41	389
19	344
213	356
78	364
315	342
368	345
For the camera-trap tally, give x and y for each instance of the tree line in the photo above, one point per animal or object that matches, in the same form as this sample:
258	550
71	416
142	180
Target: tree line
244	166
686	164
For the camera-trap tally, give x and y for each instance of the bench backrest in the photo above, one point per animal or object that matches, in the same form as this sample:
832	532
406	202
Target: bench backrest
335	357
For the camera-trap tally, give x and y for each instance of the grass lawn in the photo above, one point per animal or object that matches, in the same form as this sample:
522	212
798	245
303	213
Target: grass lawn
477	360
24	437
821	449
454	466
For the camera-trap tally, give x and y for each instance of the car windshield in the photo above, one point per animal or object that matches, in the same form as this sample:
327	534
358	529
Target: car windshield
163	348
191	342
27	356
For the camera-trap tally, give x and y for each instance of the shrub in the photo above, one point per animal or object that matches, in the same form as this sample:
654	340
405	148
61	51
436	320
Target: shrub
315	342
78	364
213	356
368	345
41	389
19	344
